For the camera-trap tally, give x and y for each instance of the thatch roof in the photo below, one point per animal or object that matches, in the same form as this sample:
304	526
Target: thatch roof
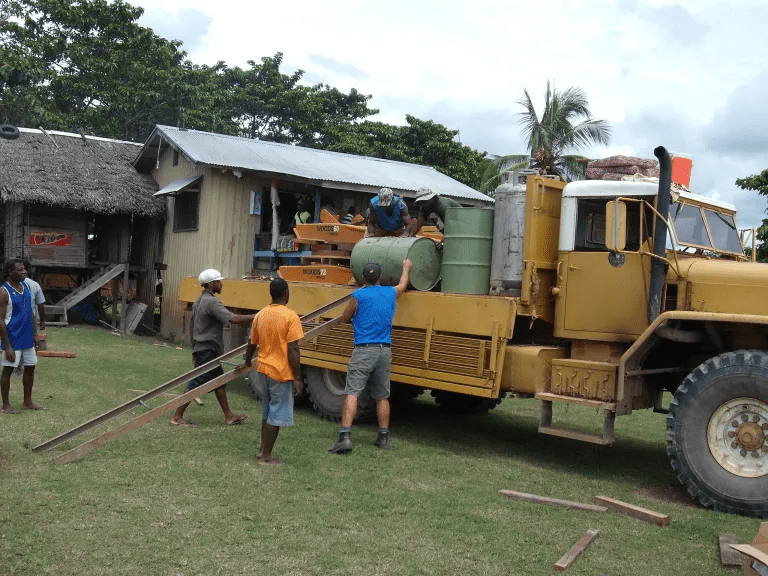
71	171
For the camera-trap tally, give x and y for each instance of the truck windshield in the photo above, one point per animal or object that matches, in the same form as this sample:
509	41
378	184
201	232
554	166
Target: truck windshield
690	224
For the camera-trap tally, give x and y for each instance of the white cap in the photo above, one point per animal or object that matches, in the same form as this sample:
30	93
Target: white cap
424	194
385	197
209	275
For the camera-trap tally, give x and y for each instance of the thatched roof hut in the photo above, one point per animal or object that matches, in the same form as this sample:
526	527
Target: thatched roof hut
81	173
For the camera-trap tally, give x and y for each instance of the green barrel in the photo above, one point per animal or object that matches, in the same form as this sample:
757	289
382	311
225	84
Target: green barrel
467	250
389	253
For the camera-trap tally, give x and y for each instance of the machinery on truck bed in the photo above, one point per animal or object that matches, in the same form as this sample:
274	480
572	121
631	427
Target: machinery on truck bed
623	290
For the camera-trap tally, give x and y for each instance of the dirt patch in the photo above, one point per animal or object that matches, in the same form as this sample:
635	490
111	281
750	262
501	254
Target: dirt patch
672	493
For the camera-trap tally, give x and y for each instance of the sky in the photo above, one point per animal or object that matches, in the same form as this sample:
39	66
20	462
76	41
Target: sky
691	76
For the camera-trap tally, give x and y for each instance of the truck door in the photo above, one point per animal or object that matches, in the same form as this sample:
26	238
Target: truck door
603	297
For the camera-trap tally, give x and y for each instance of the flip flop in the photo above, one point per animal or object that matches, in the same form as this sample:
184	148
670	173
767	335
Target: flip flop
10	410
183	424
239	419
271	462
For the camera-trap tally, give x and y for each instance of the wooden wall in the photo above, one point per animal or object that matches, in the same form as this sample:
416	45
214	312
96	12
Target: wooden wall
53	236
224	239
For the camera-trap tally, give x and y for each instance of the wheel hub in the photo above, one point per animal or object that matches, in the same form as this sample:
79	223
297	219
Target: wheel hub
737	437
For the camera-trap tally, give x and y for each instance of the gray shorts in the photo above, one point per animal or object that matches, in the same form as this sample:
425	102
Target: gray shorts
369	365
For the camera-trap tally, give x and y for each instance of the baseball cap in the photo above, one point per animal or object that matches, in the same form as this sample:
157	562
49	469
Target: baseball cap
371	271
385	197
424	194
209	275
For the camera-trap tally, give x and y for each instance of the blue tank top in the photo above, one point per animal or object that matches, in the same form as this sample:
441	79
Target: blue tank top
389	222
373	318
18	318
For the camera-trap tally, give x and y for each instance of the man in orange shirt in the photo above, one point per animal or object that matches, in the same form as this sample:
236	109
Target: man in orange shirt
276	332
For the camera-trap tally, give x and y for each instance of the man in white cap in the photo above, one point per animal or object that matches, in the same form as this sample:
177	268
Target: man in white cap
209	316
428	203
387	215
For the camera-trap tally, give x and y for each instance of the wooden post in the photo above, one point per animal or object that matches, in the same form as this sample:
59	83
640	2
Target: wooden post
114	302
570	557
124	299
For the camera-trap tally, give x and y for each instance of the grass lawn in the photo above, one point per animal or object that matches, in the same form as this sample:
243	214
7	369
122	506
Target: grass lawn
169	501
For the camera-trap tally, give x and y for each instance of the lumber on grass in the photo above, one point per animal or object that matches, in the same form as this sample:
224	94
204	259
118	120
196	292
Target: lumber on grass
56	354
634	511
553	501
729	557
752	552
570	557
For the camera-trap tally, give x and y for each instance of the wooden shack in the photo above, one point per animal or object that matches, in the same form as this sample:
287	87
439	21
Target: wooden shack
76	208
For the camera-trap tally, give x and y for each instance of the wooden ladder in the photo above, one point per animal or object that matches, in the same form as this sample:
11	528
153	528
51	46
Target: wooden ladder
545	419
155	413
81	293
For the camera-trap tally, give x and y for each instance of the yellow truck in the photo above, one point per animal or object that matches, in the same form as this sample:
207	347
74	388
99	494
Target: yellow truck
623	290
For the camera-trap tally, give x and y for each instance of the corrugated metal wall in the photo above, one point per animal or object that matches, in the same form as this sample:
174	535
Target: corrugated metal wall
224	239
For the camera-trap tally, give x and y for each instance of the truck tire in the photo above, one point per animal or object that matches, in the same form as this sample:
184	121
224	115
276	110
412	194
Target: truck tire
455	403
400	394
325	389
717	433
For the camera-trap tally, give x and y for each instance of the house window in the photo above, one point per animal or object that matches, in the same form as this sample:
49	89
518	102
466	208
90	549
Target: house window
186	210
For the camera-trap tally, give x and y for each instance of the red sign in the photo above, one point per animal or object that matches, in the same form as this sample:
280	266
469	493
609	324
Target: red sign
50	239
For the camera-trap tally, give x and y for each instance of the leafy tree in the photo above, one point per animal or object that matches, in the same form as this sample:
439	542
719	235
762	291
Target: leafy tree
86	64
565	123
419	142
759	184
270	105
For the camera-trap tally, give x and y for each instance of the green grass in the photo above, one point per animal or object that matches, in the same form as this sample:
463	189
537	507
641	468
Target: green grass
169	501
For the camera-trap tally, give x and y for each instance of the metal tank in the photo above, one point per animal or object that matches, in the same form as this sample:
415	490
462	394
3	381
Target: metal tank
508	227
389	253
467	250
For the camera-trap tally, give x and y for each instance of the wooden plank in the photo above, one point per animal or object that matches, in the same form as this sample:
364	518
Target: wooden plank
634	511
130	405
729	557
553	501
752	552
570	557
56	354
154	414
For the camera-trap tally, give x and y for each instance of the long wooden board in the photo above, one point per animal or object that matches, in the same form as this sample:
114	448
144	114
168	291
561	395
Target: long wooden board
176	402
634	511
552	501
570	557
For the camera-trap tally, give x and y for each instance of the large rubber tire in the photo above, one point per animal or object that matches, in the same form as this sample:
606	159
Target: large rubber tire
325	389
455	403
400	394
717	433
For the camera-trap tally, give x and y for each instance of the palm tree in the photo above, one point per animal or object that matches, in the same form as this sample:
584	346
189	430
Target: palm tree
550	135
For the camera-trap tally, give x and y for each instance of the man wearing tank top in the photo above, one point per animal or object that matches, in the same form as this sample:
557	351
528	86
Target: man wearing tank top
18	334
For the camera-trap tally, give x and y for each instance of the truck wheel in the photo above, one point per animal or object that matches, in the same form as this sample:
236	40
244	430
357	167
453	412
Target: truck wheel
400	393
455	403
325	388
717	433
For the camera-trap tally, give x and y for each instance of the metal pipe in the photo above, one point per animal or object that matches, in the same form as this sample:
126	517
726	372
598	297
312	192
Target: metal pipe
660	233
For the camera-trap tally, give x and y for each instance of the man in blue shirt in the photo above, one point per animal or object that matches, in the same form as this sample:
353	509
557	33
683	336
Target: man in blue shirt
387	215
371	311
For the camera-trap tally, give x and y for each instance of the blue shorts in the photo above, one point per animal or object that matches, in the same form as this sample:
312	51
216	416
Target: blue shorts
203	357
276	401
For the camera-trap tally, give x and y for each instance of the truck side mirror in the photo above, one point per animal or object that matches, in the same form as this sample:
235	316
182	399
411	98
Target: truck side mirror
615	225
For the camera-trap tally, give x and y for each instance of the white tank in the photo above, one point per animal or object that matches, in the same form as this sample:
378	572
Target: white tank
508	227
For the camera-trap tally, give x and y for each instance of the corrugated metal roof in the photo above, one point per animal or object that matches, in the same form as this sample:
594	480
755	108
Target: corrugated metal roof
327	169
